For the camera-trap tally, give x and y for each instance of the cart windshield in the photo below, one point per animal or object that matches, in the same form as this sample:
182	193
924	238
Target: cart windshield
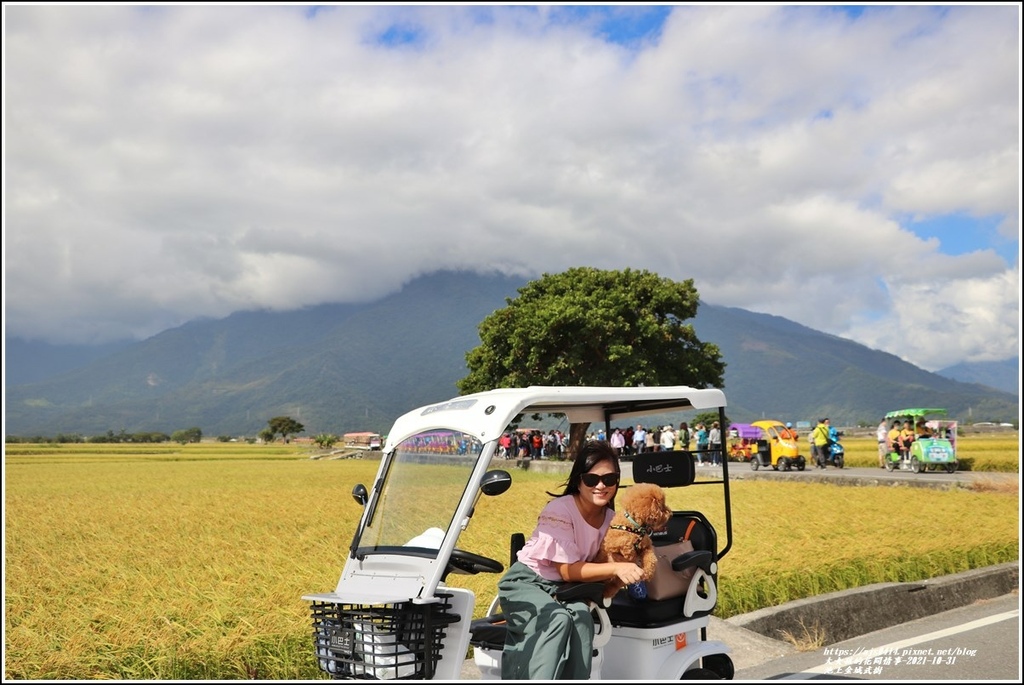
424	483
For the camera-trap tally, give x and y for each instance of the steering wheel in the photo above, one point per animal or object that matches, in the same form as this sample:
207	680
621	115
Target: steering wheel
467	562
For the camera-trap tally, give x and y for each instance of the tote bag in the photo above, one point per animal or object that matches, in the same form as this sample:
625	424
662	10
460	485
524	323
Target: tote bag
667	583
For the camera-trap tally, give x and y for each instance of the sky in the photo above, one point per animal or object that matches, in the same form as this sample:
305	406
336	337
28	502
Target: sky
855	169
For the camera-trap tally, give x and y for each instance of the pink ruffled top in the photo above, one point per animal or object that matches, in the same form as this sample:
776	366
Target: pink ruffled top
562	536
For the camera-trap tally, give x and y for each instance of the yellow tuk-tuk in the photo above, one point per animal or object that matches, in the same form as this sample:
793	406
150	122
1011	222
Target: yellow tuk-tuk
777	447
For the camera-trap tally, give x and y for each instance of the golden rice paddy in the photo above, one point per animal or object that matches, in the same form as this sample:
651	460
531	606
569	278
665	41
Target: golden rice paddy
189	562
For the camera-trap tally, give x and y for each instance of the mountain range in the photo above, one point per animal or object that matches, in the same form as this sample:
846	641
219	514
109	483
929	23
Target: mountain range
337	368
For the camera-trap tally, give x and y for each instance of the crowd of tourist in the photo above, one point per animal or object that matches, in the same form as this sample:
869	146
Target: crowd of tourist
627	442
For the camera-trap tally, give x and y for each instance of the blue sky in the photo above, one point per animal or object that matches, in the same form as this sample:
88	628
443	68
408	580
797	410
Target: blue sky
168	162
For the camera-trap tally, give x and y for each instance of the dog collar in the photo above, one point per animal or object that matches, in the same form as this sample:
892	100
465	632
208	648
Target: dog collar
636	529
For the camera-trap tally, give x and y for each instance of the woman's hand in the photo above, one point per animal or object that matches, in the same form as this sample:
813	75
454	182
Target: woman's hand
628	573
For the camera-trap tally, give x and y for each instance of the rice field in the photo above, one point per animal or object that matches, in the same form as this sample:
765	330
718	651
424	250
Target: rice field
189	562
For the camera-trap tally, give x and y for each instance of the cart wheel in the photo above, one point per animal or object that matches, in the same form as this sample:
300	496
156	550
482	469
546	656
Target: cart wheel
951	468
801	464
915	465
839	462
700	674
784	463
889	465
720	664
754	464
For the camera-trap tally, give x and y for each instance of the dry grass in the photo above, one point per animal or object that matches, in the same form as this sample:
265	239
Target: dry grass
996	485
808	639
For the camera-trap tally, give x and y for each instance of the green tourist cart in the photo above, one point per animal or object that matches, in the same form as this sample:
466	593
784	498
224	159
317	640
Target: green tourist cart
934	444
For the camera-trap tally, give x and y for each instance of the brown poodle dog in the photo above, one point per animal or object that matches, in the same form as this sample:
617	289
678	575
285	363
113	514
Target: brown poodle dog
641	511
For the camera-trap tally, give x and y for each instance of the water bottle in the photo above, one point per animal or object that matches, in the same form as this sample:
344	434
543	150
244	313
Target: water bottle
638	591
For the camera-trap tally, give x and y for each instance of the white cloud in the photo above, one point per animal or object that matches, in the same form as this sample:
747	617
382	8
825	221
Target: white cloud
182	161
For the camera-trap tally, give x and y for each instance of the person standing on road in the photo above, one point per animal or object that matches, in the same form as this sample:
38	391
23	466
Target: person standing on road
649	442
639	439
700	435
820	440
882	434
683	436
618	441
715	444
668	439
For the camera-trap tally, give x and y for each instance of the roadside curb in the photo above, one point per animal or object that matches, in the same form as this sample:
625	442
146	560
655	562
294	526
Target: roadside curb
849	613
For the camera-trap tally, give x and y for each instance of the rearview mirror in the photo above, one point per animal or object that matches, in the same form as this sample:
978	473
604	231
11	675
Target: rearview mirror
495	482
359	494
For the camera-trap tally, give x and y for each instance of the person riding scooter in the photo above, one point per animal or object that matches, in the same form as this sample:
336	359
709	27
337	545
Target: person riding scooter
835	451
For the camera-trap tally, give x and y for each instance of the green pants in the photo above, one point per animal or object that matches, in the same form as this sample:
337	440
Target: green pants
545	639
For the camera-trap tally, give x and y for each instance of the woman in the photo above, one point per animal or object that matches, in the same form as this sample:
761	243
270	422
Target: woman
881	434
683	437
715	444
617	442
907	436
650	444
545	639
702	443
894	439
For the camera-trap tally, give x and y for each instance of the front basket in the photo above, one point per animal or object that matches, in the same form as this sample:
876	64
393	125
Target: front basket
380	641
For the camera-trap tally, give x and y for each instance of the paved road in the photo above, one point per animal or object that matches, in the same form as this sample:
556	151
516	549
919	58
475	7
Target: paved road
863	476
976	642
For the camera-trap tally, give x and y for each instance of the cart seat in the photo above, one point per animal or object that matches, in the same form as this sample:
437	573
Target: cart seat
649	613
672	470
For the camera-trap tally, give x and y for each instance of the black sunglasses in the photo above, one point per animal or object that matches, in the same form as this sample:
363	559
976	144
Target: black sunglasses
592	479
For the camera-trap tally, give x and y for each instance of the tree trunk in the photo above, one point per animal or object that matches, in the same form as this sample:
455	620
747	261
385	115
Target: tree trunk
577	437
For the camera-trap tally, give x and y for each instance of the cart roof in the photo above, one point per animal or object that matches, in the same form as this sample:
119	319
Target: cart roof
746	430
914	412
486	414
769	423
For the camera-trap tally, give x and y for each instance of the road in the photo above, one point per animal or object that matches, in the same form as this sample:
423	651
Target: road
976	642
866	476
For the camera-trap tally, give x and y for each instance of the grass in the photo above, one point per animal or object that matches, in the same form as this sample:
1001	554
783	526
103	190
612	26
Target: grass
808	639
185	563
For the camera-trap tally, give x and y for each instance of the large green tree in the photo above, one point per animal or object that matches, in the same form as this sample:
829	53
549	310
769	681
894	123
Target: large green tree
285	426
588	326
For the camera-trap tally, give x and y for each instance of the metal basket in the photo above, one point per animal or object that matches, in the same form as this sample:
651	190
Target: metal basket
380	641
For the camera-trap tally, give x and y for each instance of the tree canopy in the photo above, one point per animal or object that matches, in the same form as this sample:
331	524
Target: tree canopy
188	435
284	426
587	326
